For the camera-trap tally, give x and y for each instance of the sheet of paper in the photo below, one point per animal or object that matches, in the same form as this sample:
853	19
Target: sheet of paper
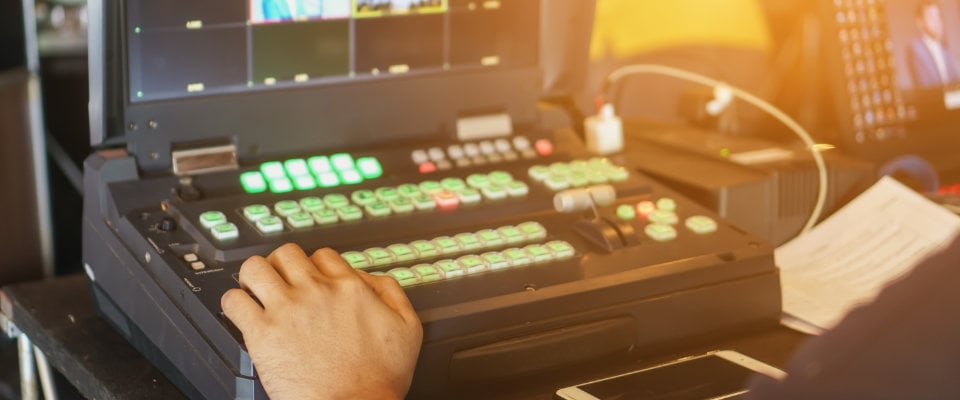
847	259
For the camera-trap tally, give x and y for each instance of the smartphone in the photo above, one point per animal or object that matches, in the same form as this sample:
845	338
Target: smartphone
712	376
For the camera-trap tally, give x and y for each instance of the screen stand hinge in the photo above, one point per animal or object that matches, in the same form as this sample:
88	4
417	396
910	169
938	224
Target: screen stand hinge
485	126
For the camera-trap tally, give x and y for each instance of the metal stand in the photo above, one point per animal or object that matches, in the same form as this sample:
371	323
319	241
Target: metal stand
32	363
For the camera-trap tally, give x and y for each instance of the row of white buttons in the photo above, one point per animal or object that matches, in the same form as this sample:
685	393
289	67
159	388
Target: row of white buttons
472	150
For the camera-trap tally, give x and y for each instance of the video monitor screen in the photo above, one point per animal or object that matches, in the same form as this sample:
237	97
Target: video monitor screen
183	48
900	62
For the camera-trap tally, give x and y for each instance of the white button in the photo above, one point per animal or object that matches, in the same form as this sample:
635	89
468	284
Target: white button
487	147
503	145
521	143
444	165
471	149
419	156
198	265
455	152
190	257
437	154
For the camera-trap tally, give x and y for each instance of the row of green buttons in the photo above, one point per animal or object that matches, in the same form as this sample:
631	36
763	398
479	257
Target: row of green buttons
561	176
557	250
445	245
307	174
219	227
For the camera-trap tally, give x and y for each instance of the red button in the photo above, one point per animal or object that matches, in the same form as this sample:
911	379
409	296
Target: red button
428	167
645	208
446	200
544	147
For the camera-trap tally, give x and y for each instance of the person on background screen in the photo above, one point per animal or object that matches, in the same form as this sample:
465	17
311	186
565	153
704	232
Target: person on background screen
931	65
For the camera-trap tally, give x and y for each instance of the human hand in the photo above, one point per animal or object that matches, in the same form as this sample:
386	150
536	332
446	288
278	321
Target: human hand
324	330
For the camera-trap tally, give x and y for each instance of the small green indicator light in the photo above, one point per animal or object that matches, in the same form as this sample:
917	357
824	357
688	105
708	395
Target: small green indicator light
319	165
369	167
296	167
272	170
253	182
139	94
724	152
350	177
626	212
342	162
281	185
305	182
136	30
328	179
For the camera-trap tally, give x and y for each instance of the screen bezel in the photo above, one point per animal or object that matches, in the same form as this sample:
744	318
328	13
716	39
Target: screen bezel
269	123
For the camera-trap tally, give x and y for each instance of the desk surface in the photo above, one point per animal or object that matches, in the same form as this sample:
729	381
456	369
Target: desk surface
59	316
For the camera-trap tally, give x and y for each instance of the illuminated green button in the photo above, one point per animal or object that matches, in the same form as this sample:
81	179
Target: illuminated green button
478	181
328	179
626	212
401	205
427	272
350	177
423	202
472	264
253	213
378	209
557	183
369	167
211	219
578	179
326	217
663	217
379	256
253	182
559	168
281	185
517	257
311	204
296	167
468	241
305	182
597	177
350	213
342	162
449	268
320	165
579	166
511	234
286	208
453	184
660	232
538	253
517	189
356	259
561	250
424	249
404	276
618	174
494	192
666	204
495	260
335	200
701	225
225	231
533	230
501	177
363	197
446	245
408	190
599	162
430	187
539	172
387	193
270	224
402	252
300	220
469	196
272	170
490	238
